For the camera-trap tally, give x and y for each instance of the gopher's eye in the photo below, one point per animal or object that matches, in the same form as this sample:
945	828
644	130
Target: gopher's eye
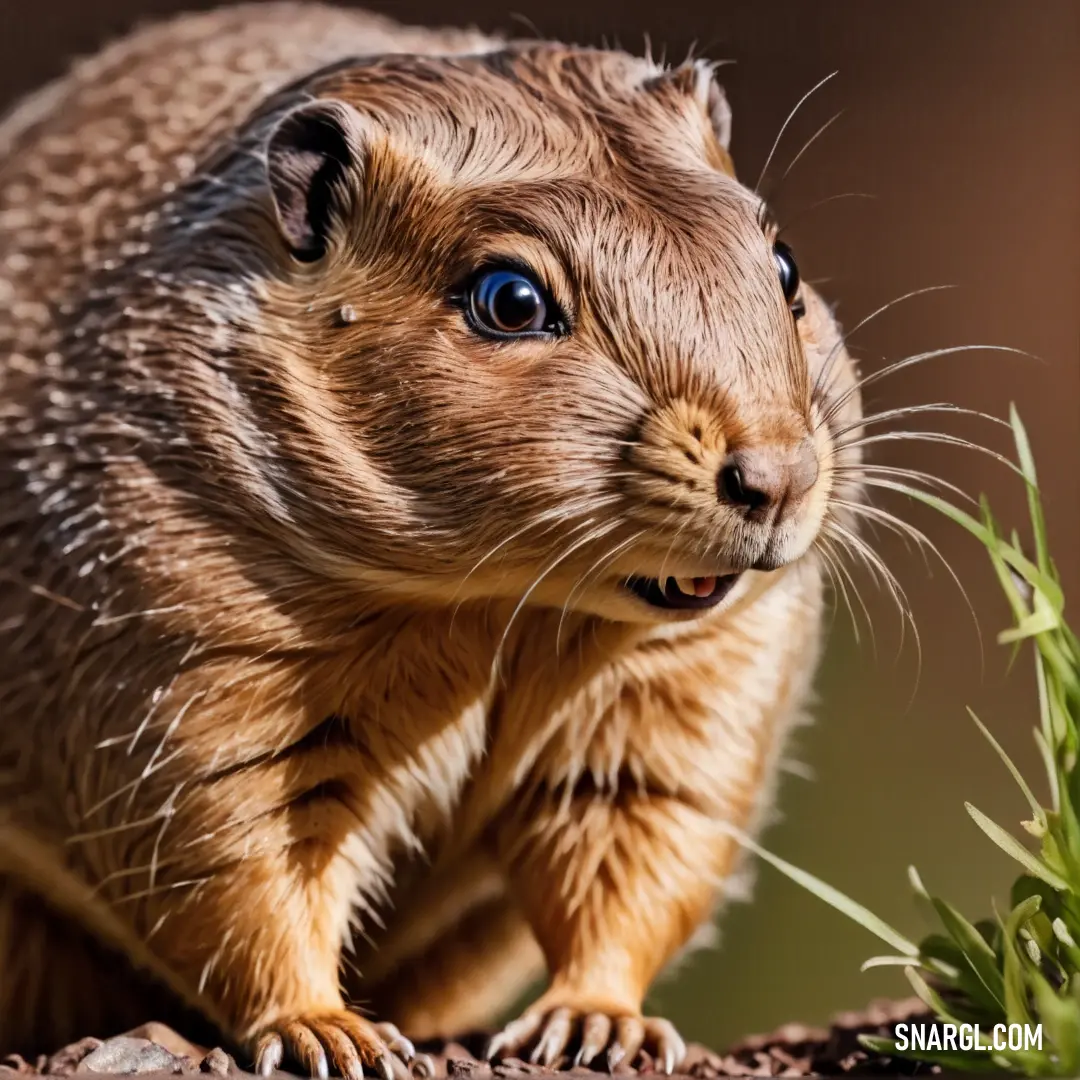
789	272
507	302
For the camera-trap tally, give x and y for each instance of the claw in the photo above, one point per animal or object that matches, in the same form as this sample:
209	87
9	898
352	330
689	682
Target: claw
396	1043
308	1049
270	1054
340	1042
548	1033
340	1048
384	1066
670	1047
514	1035
630	1035
615	1055
595	1033
423	1066
554	1039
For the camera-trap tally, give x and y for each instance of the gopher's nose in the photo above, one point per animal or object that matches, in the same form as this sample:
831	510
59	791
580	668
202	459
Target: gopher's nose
762	481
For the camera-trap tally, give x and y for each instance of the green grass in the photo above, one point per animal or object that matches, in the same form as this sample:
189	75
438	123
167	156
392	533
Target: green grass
1021	966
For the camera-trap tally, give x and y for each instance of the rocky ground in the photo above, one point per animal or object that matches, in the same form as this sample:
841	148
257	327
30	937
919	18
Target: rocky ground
155	1051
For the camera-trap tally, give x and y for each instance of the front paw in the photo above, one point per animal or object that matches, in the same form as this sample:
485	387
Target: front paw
339	1043
548	1033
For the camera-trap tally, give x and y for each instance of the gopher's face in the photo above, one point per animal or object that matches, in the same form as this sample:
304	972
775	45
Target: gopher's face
550	345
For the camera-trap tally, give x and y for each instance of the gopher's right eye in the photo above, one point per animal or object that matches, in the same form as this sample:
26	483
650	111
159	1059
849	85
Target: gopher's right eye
788	270
503	302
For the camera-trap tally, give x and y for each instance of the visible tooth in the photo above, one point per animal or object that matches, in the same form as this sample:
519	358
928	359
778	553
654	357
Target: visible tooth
704	586
685	585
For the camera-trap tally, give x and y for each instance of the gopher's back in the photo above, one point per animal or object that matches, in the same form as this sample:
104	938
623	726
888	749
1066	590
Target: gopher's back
87	166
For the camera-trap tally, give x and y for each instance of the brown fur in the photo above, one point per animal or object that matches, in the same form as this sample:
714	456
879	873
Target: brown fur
312	636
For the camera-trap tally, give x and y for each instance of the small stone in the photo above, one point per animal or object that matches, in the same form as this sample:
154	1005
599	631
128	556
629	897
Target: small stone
127	1056
217	1062
172	1040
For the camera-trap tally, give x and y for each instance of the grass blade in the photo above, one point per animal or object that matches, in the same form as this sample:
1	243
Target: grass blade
1061	1018
833	897
885	961
1011	846
1027	467
1020	563
979	956
930	997
1036	808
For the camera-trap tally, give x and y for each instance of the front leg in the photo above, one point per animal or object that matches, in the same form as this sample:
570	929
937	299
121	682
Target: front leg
261	938
617	843
245	889
613	885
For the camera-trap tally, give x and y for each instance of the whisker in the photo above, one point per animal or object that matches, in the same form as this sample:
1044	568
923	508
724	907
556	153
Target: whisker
873	561
910	492
825	368
590	537
597	567
551	518
902	528
905	530
912	410
846	576
870	518
894	524
170	730
810	142
169	811
875	475
838	572
826	556
784	126
941	437
850	578
671	547
911	361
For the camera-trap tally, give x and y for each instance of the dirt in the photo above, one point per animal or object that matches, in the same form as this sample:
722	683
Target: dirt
154	1051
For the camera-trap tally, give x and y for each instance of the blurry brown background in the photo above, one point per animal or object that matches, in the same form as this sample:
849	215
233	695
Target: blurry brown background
962	119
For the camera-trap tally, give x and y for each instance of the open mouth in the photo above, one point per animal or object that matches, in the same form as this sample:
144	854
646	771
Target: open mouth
682	594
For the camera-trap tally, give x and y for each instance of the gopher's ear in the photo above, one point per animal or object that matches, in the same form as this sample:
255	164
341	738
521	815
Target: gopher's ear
311	159
697	79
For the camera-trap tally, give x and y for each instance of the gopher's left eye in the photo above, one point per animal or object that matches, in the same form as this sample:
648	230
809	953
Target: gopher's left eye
789	275
506	302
